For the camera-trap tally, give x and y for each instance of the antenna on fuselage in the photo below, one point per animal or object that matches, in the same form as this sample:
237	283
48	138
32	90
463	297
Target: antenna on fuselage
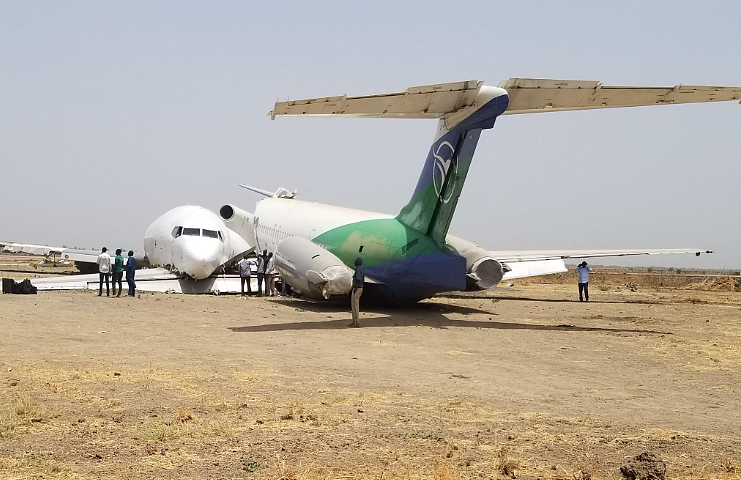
280	193
257	190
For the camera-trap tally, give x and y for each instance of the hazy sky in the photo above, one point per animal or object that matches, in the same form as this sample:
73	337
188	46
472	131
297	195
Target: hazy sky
112	113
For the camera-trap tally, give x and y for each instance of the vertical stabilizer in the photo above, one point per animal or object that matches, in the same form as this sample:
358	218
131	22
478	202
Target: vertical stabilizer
433	203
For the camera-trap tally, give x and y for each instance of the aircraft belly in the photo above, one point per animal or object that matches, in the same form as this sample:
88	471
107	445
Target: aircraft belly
420	276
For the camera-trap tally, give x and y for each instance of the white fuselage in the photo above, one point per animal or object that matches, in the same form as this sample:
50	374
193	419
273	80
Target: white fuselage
188	240
279	218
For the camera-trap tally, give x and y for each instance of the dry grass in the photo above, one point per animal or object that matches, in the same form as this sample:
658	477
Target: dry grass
606	277
505	465
181	424
19	414
35	466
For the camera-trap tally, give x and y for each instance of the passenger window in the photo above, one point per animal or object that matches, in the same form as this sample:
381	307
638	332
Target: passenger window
194	232
210	233
177	231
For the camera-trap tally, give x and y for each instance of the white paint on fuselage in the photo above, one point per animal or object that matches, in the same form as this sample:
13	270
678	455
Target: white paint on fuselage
196	256
279	218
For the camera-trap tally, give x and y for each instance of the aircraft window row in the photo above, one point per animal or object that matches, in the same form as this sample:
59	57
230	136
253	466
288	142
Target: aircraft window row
197	232
275	233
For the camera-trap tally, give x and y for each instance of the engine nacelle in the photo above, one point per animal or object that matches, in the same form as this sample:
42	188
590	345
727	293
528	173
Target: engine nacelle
239	221
482	271
311	270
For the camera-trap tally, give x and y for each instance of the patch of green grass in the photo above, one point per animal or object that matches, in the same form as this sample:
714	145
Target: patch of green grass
251	466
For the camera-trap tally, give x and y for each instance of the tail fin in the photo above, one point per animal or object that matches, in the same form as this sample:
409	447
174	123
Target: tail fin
464	109
433	203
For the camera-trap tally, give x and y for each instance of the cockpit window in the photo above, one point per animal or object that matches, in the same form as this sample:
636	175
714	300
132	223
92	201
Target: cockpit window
196	232
210	233
221	236
177	231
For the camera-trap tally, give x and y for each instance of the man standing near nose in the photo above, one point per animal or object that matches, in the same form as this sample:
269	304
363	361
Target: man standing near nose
104	270
130	270
262	265
245	273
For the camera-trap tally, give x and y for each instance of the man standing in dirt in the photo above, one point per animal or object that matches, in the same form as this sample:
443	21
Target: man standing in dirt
358	280
583	272
104	270
118	269
262	265
130	271
245	273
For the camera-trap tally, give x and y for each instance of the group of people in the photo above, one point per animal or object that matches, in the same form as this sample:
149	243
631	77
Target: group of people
115	272
264	267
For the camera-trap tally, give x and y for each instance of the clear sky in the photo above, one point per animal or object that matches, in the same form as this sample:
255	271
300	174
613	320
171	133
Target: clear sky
112	113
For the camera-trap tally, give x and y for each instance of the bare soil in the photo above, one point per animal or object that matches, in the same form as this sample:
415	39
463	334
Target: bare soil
522	381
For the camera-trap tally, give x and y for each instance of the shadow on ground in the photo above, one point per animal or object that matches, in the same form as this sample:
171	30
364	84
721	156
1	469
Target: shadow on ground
424	315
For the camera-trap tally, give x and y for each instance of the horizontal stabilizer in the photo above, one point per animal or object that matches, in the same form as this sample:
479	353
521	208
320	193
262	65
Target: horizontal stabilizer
533	95
428	101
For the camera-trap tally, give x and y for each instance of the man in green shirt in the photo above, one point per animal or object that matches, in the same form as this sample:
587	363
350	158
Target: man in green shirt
118	273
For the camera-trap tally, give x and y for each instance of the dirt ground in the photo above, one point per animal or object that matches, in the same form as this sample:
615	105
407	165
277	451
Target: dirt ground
518	382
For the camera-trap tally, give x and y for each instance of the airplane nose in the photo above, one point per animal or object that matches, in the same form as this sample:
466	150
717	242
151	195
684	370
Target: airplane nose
201	257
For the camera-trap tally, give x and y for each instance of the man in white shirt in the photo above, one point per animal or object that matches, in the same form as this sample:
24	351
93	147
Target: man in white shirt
104	269
583	272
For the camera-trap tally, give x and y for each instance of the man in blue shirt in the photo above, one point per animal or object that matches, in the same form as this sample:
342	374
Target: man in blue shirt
130	269
583	272
358	280
245	274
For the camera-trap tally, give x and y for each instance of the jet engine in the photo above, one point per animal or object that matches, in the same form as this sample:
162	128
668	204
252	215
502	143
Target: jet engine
241	222
482	271
311	270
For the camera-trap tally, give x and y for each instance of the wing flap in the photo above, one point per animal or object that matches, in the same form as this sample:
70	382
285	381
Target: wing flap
532	95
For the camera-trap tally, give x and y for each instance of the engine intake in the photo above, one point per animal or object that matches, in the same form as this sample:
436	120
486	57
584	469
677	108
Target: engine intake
241	222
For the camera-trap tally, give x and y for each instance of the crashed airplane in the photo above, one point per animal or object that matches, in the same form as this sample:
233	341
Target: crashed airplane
408	256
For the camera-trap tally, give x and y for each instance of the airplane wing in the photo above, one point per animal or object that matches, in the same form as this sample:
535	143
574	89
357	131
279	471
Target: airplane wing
28	248
86	260
534	263
149	280
534	95
537	255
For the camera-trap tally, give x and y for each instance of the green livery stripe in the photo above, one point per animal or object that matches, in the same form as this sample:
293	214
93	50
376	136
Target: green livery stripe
382	241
